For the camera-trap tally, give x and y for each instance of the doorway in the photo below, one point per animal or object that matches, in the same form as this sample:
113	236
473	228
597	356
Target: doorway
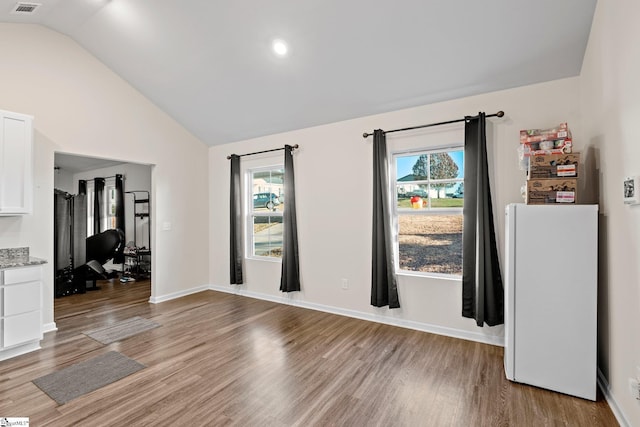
96	179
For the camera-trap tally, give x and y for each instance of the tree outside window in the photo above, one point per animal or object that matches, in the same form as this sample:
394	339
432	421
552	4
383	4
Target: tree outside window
429	194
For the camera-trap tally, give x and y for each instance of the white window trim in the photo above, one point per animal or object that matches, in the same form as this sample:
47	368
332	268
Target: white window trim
396	212
249	214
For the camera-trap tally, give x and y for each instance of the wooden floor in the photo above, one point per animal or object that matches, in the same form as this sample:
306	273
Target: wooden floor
221	359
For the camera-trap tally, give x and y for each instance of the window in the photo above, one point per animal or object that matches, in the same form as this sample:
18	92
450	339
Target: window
428	196
89	200
111	207
265	206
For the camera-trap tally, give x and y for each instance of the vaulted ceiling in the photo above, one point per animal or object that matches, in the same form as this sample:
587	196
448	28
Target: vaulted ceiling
210	64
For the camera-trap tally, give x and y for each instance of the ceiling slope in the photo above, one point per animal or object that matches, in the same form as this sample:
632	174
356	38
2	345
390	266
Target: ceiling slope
209	64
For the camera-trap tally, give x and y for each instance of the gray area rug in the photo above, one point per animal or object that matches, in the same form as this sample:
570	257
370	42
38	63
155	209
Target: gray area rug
85	377
121	330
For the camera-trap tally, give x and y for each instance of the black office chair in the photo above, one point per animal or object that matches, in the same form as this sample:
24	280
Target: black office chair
101	248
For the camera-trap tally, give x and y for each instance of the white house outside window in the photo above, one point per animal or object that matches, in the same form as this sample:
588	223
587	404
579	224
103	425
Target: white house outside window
265	206
428	199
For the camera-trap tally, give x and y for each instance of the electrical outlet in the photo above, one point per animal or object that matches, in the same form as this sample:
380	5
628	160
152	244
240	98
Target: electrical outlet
345	284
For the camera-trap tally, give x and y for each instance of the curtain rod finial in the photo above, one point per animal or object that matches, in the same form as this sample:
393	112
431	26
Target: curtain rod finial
500	113
365	135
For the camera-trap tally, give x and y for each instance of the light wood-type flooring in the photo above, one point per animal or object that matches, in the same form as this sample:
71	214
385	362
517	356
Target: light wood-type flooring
220	359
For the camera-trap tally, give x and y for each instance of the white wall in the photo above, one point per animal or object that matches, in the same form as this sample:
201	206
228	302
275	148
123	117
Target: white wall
82	107
333	193
610	92
63	180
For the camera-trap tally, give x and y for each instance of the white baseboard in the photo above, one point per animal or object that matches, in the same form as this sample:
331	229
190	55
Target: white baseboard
615	408
409	324
19	350
49	327
174	295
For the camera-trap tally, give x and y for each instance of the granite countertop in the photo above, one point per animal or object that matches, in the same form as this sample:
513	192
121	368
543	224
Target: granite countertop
18	257
22	263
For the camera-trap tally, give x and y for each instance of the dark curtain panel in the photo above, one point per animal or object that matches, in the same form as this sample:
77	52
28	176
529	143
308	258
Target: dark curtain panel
235	222
62	230
482	290
98	201
384	287
290	280
119	256
79	207
82	186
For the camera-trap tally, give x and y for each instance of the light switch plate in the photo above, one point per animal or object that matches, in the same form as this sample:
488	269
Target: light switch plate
631	190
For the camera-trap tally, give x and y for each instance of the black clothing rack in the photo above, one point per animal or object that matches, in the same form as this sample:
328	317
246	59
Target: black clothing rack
498	114
260	152
141	259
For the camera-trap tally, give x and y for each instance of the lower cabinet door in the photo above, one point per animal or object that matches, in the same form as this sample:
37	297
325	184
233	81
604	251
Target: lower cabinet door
21	298
21	328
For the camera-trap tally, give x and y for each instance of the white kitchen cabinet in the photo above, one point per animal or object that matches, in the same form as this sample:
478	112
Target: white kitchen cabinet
16	163
20	310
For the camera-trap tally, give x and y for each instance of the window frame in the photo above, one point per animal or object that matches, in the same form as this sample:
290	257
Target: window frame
250	214
396	212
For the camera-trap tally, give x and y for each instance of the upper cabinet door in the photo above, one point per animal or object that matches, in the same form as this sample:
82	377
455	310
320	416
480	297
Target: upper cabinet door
16	163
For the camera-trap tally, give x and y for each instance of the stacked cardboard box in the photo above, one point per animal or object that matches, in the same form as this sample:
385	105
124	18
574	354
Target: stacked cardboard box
554	166
537	142
554	190
552	175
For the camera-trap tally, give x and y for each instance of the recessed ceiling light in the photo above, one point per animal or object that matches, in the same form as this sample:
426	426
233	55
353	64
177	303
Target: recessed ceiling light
280	47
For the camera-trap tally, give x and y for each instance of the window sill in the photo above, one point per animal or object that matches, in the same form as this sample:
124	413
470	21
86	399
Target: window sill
265	259
447	277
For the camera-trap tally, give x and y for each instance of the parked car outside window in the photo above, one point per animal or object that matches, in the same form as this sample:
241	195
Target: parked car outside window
415	193
265	200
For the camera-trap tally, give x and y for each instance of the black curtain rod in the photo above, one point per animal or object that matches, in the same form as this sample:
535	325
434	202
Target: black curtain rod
260	152
498	114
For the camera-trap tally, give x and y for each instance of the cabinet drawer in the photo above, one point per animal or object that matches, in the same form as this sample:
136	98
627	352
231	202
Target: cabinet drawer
21	298
19	275
21	329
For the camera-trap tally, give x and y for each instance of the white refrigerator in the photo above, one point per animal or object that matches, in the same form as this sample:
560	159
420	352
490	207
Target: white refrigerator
551	276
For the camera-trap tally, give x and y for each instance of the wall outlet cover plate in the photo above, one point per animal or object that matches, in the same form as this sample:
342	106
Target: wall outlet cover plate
631	190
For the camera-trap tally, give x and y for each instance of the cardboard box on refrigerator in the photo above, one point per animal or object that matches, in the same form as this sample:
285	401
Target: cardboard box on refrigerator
552	191
554	166
561	146
538	135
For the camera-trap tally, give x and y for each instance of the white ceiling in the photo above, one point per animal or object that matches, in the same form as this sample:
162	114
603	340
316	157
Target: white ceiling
74	164
208	63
